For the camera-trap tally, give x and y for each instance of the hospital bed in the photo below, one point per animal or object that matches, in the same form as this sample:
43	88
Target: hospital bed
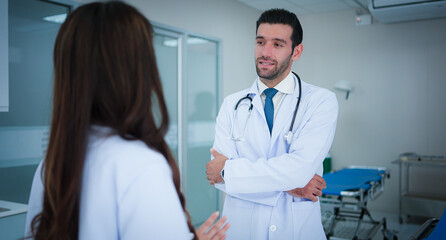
432	229
344	203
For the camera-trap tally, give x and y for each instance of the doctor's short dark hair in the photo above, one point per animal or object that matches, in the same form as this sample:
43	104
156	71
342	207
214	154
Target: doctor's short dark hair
282	16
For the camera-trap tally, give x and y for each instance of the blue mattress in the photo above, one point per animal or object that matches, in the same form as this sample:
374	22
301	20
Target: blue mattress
439	231
350	179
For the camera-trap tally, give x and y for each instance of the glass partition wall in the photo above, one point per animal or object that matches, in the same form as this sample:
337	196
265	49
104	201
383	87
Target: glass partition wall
189	68
201	89
31	30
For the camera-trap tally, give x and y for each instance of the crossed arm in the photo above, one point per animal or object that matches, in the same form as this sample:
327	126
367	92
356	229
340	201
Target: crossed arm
311	191
304	156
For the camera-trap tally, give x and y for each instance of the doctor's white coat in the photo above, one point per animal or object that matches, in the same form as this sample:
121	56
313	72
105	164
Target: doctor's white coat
263	166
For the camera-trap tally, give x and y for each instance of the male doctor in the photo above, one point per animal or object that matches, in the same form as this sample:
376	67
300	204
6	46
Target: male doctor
267	179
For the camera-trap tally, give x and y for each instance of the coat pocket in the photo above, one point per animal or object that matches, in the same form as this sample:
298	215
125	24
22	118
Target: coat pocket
239	213
307	219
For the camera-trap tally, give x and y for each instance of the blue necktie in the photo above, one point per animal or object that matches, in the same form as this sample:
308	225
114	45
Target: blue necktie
269	107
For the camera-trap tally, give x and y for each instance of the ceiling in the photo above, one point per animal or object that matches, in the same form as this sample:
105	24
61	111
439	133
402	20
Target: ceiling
302	7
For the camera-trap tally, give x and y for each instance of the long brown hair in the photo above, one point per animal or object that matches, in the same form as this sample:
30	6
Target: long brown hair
105	73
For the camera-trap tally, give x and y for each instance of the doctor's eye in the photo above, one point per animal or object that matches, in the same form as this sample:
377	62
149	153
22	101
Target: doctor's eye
259	42
278	45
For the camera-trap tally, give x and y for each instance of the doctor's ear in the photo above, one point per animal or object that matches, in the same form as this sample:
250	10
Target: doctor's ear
297	51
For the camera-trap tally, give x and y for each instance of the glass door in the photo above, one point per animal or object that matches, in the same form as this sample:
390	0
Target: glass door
188	67
168	51
24	128
201	91
32	29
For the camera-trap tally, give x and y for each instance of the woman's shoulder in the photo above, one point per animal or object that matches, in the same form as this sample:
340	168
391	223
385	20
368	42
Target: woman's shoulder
116	147
123	159
107	145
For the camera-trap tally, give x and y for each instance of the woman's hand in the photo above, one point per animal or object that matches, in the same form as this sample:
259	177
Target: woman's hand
216	232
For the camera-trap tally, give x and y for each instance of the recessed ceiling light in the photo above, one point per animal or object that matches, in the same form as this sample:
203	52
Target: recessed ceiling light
59	18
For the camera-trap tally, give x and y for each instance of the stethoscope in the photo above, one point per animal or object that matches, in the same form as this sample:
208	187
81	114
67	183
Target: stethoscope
288	136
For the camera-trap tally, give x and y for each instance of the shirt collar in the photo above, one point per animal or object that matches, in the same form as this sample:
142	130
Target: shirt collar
285	86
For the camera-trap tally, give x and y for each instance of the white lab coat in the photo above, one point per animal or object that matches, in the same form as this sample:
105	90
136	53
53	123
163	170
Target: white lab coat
127	192
263	166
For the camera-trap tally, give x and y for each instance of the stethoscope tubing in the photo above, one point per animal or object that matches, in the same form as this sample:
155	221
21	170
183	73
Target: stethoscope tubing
298	101
288	136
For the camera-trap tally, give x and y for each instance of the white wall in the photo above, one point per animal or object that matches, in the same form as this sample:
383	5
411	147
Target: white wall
228	20
399	74
4	88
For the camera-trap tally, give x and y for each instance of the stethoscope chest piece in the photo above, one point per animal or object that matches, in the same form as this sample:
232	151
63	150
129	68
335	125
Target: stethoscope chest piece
289	137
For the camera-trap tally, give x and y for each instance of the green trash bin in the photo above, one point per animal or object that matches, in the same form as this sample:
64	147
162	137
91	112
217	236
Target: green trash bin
327	163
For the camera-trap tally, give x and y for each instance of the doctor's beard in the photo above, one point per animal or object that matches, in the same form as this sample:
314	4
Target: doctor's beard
277	71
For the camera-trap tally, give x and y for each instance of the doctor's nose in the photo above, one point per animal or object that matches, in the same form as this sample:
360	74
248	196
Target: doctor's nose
267	51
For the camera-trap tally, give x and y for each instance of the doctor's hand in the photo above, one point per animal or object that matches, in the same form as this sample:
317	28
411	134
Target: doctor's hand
311	190
216	232
214	167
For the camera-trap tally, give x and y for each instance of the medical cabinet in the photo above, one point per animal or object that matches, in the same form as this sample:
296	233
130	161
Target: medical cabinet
422	191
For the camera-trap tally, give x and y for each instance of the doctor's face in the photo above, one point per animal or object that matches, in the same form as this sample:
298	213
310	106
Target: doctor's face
273	52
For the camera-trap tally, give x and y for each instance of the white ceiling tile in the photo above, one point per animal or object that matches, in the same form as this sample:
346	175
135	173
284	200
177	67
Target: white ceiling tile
302	7
278	3
247	1
327	7
268	4
351	3
299	11
304	2
356	4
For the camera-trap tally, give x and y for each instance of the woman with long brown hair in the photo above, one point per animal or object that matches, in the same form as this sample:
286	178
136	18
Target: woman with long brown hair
108	172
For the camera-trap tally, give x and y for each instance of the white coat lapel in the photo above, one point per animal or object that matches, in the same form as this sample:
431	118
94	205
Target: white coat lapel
285	114
257	101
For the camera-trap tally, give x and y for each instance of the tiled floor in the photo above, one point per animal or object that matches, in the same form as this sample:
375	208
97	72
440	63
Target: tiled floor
403	231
